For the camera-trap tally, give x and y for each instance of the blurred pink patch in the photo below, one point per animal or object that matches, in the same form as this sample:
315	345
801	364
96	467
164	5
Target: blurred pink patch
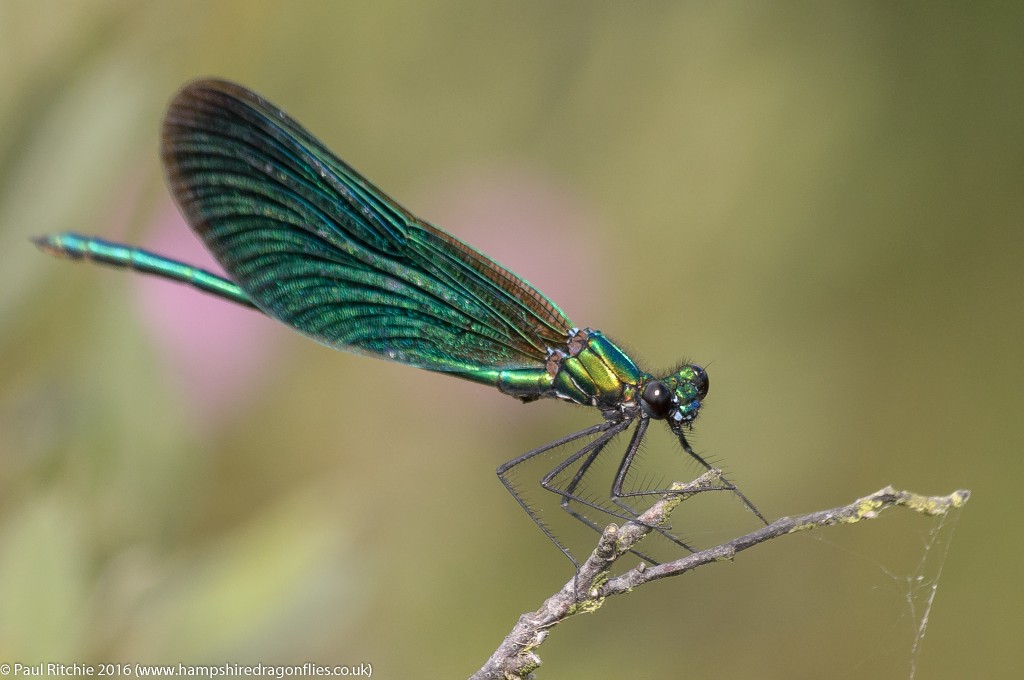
217	351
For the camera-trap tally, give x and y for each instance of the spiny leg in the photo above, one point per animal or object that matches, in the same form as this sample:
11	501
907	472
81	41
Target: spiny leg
605	432
729	485
627	461
505	468
589	451
617	495
569	494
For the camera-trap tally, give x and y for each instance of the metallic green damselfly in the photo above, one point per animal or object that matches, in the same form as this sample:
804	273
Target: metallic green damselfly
307	240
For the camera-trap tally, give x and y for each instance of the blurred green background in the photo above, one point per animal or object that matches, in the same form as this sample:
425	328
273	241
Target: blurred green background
821	201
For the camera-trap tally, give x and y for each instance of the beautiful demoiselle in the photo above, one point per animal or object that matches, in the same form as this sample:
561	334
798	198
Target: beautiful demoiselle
308	241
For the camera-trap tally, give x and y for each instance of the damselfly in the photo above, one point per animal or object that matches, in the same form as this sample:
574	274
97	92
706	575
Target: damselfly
307	240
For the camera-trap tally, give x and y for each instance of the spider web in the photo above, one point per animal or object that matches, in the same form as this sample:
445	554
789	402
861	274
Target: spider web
922	586
916	589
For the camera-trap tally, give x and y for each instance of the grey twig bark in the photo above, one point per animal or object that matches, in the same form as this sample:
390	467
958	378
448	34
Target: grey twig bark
516	658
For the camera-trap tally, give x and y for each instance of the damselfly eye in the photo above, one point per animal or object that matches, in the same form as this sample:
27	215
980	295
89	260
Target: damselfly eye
658	400
700	381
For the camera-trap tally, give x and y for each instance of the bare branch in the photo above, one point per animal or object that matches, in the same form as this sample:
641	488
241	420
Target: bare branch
516	657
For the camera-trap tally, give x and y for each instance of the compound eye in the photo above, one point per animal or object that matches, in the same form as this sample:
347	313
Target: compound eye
658	400
700	381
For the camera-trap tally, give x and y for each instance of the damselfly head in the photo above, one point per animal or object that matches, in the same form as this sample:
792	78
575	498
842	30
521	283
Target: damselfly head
676	397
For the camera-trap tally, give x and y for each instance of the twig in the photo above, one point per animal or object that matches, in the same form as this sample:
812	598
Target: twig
516	658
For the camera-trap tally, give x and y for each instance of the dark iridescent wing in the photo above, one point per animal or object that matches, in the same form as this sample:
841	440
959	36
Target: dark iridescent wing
317	246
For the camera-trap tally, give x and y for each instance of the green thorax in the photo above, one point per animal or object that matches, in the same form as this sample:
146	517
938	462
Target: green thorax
590	370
